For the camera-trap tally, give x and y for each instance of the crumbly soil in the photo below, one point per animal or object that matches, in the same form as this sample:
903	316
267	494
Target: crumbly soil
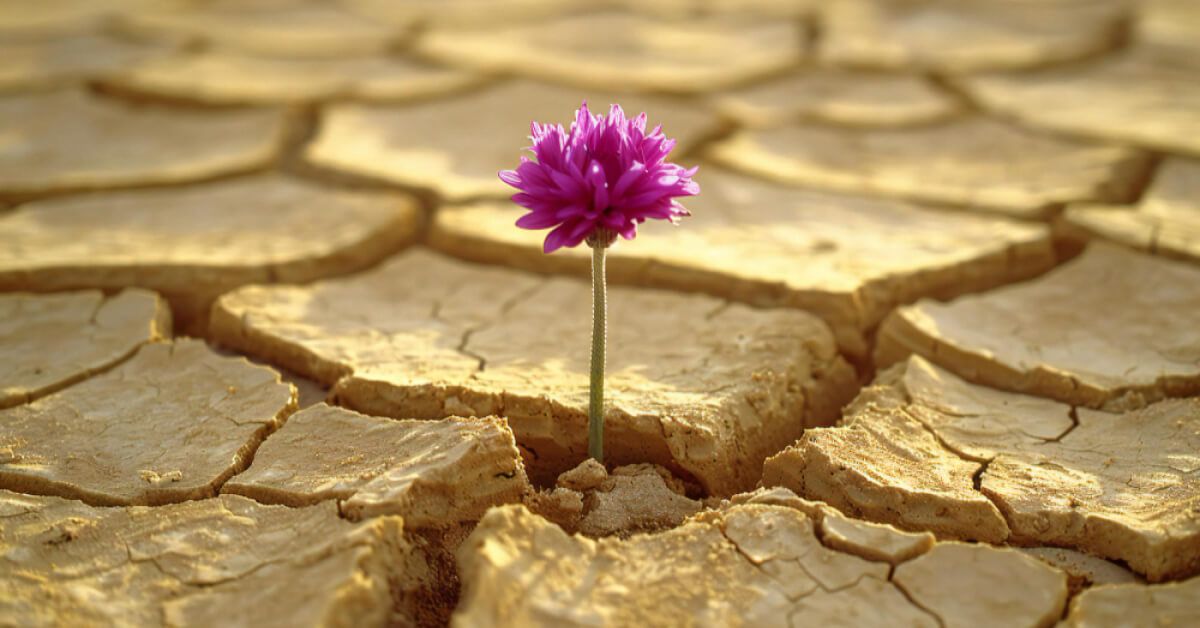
632	499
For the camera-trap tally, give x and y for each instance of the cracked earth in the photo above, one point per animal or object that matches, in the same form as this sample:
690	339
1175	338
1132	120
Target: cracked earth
272	352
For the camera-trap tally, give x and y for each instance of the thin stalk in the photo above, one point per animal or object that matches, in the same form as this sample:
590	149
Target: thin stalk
596	396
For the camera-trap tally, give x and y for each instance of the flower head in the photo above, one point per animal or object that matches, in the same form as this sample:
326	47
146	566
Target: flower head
607	173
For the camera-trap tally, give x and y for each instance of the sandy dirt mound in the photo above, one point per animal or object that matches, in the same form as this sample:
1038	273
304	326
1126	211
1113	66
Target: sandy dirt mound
634	498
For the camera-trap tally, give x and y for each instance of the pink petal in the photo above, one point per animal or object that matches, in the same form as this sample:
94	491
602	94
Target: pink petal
511	177
555	239
599	186
606	170
537	220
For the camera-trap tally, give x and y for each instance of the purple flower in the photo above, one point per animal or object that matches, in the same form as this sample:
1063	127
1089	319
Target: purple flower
607	173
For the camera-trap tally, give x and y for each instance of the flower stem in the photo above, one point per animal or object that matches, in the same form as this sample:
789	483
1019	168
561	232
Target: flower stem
596	398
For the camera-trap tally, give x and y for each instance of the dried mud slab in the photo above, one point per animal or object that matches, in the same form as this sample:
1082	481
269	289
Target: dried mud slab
198	563
1172	604
455	147
753	564
222	77
925	450
690	8
954	36
848	260
1083	570
625	51
1122	486
872	541
981	164
51	341
838	97
68	140
947	580
1045	337
428	337
1166	220
460	12
194	243
866	539
287	28
634	500
1160	88
1171	23
886	466
170	424
434	473
42	63
21	19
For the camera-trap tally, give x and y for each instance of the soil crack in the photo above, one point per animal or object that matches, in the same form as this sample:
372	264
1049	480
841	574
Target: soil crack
911	600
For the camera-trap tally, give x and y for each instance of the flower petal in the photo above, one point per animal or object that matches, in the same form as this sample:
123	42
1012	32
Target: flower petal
555	240
511	177
537	220
604	171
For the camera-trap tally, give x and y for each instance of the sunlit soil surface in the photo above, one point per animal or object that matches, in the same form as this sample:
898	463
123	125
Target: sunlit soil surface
273	353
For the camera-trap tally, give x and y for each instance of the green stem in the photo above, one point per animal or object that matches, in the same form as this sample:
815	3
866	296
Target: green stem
596	398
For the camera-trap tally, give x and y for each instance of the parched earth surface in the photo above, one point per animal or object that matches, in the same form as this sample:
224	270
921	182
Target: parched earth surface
428	337
971	462
1063	336
773	246
272	352
193	243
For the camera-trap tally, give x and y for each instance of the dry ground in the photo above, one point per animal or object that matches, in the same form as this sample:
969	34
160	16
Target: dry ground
272	352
